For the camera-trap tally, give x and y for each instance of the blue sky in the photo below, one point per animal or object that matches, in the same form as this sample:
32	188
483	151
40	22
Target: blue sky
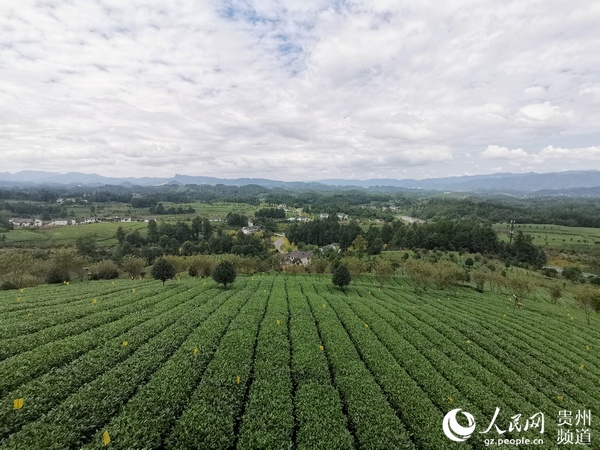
299	90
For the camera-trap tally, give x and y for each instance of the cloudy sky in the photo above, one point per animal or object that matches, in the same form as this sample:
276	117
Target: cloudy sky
299	90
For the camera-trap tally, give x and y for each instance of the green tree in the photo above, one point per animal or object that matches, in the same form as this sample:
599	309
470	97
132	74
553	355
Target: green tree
86	245
163	270
588	299
120	235
152	231
224	273
359	245
341	277
196	226
207	229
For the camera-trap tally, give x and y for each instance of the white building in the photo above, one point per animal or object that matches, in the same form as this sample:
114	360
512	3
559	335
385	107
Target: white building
62	222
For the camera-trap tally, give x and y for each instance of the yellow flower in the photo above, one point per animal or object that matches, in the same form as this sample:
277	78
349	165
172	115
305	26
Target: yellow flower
366	325
196	351
125	343
238	380
105	438
321	348
278	321
560	398
18	403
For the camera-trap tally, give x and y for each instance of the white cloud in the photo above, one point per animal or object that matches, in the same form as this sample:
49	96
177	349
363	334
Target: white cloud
299	90
497	152
587	154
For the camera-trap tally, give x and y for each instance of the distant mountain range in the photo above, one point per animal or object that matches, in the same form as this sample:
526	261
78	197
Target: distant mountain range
570	183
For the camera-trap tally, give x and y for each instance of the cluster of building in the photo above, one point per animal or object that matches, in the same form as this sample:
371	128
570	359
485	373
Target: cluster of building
38	223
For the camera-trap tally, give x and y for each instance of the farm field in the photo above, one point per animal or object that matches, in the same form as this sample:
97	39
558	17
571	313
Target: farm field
281	362
67	235
557	236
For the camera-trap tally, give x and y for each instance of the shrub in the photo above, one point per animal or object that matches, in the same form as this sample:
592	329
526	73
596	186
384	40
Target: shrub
447	274
201	266
104	270
479	278
595	281
555	293
550	272
133	265
572	274
383	270
57	275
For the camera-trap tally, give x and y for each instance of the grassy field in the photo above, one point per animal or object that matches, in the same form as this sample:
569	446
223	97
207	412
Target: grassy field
54	236
280	362
555	235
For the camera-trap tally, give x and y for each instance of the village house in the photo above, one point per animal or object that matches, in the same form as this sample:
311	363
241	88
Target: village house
250	229
62	222
297	258
21	223
323	216
333	247
26	223
90	220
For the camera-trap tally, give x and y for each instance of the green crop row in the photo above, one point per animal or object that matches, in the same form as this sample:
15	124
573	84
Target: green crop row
469	379
321	423
517	354
127	304
210	419
149	416
56	296
544	346
268	421
524	389
46	392
394	366
74	422
373	420
18	369
68	310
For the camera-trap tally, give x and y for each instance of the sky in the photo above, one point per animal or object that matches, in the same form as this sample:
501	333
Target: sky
299	90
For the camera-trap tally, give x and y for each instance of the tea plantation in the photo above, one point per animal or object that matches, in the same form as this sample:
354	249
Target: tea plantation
285	362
